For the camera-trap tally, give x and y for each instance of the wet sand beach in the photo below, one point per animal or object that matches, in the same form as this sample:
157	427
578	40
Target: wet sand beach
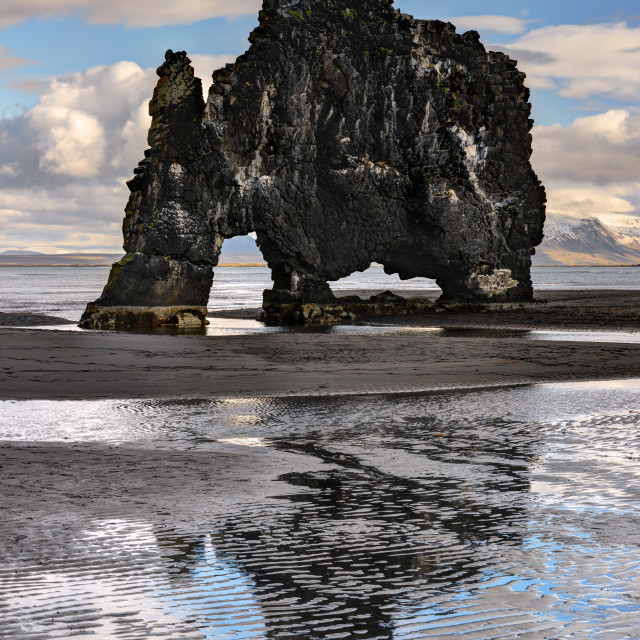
403	478
501	513
386	355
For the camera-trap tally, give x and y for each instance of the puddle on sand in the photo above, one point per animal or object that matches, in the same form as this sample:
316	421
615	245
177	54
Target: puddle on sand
487	514
225	326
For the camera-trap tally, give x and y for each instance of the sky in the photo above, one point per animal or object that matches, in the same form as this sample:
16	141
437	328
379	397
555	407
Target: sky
76	77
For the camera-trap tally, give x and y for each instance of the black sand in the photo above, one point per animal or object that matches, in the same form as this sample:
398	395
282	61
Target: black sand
83	365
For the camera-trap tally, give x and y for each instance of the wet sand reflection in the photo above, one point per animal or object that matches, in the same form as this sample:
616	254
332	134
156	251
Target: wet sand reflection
488	514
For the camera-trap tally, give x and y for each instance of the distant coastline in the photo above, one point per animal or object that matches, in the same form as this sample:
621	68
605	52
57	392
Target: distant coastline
232	259
75	261
59	260
242	264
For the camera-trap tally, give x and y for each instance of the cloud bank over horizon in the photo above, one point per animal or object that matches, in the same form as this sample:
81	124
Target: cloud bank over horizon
64	161
141	13
590	167
581	61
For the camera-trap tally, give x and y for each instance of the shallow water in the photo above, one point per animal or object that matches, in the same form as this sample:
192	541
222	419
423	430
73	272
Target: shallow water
65	291
234	326
488	514
225	326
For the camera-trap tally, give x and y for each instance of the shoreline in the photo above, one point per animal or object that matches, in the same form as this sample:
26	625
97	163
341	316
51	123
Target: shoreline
75	365
337	395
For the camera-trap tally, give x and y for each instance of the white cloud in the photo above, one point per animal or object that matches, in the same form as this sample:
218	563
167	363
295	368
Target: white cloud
9	169
580	61
490	23
87	122
73	142
140	13
65	162
592	166
95	122
90	123
601	149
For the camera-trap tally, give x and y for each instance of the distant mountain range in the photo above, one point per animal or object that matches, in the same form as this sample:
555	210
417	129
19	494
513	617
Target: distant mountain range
36	259
20	252
240	250
610	240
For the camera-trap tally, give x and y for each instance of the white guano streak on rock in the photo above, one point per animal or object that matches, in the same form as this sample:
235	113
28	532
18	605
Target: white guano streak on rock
475	153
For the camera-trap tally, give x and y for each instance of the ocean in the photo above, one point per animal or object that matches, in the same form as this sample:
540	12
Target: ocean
65	291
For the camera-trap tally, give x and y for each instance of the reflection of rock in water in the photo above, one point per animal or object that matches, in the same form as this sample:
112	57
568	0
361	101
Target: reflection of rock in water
181	553
345	554
424	513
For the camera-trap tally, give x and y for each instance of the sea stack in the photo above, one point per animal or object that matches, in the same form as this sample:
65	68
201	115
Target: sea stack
349	133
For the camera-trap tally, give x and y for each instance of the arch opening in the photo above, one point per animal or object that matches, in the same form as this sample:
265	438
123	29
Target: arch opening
370	292
373	281
240	277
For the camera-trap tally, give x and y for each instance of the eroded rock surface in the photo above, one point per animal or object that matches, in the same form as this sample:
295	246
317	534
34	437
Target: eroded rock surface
349	133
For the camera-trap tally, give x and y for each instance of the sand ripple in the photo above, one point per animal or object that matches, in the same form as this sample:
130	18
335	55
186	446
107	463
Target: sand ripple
494	514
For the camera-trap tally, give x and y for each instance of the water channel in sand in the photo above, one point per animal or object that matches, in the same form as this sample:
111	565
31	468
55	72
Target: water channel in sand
486	514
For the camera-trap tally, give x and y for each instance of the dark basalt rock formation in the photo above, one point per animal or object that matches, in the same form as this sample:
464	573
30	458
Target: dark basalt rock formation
349	133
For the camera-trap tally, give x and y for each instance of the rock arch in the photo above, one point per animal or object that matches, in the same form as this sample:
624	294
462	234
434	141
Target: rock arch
348	133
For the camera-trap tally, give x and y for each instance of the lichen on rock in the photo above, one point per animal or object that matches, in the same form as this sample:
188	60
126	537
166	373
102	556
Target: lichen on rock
349	133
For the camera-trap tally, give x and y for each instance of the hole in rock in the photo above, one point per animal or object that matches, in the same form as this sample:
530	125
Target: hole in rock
374	280
204	65
240	277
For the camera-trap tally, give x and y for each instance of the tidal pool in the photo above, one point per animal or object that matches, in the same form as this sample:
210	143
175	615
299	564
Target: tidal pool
509	513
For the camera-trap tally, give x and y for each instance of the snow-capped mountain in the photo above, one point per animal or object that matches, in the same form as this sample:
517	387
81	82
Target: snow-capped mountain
589	241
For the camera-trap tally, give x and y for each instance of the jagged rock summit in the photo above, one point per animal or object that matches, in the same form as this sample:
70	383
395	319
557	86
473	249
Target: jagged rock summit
349	133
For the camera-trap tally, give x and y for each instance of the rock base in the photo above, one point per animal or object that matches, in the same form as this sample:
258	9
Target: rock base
340	310
96	317
454	306
350	308
387	304
306	313
279	310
